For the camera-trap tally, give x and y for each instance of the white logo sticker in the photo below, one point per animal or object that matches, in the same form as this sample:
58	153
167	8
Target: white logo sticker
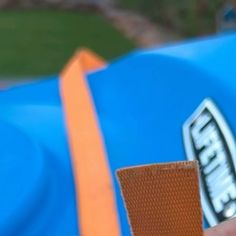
208	139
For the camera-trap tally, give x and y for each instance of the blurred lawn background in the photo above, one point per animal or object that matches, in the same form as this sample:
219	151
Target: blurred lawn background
187	17
40	42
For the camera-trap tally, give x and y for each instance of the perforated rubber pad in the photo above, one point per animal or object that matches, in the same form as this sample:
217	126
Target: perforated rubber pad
163	200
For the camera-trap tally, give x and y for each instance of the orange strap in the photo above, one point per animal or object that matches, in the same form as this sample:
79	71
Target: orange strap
95	196
163	199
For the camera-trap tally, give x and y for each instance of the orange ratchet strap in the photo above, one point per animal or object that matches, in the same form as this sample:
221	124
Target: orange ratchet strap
95	197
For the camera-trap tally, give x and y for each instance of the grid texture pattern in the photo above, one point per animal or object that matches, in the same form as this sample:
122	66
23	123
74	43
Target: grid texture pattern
163	200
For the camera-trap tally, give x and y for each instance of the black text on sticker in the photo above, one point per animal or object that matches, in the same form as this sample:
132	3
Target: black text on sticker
209	140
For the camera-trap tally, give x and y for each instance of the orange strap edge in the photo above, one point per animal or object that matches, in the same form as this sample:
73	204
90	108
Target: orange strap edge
93	182
163	199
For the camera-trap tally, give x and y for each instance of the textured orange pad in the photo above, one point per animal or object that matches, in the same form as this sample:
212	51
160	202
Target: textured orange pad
163	200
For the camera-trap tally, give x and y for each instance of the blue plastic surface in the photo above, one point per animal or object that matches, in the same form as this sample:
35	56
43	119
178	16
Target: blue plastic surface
142	101
38	192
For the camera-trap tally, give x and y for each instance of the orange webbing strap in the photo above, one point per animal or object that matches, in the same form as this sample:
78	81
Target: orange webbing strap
95	196
163	199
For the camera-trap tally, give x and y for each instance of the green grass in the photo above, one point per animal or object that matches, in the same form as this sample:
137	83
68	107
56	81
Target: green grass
39	42
187	17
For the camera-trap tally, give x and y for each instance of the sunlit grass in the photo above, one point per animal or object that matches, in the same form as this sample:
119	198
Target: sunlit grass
40	42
